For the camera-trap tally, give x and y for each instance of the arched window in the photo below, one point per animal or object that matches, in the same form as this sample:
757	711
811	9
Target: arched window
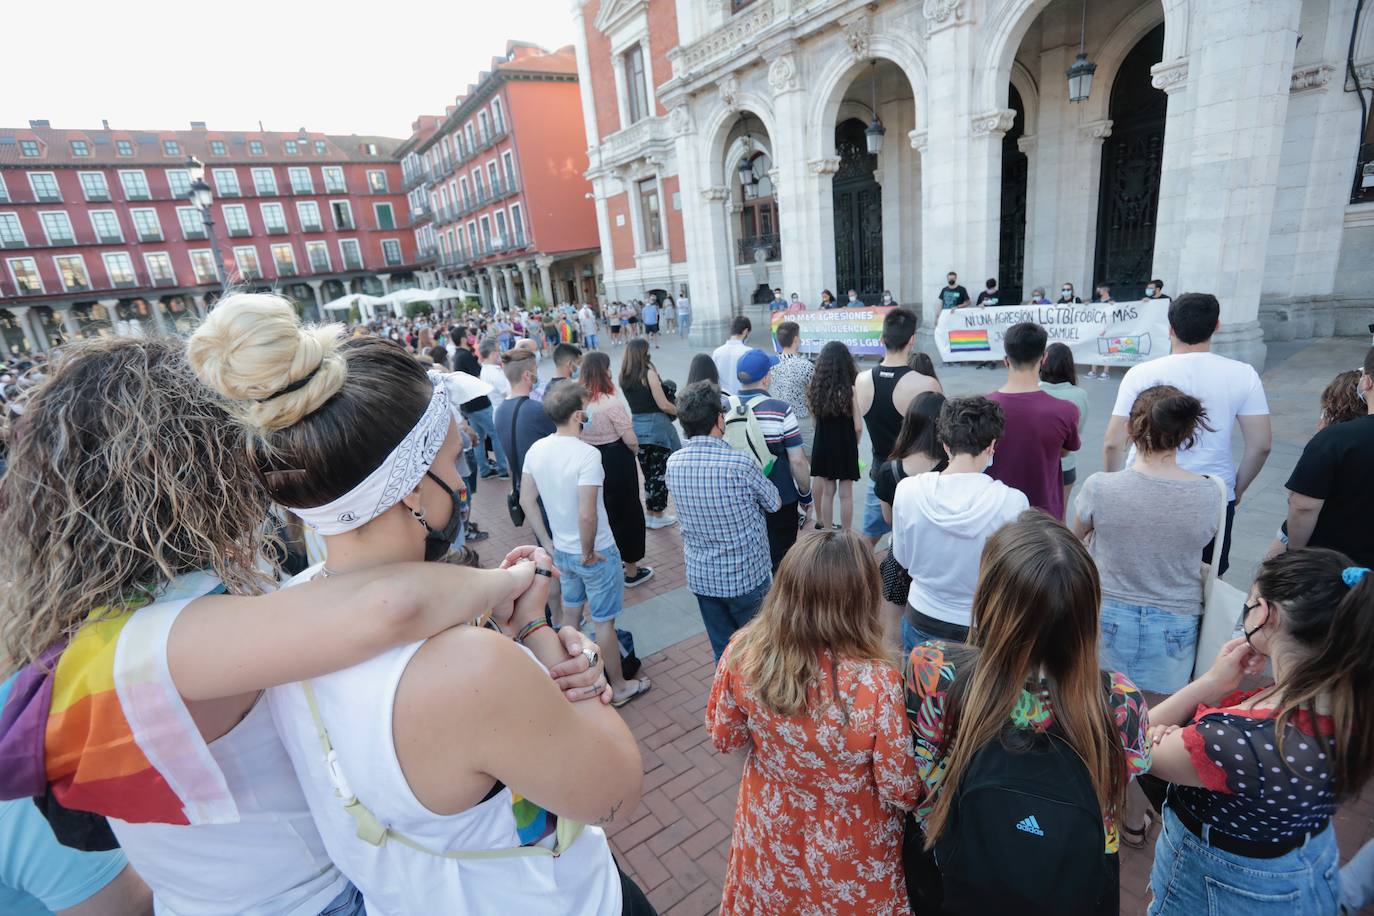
758	213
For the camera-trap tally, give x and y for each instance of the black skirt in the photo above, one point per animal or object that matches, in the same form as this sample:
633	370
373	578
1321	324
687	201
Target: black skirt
835	451
620	493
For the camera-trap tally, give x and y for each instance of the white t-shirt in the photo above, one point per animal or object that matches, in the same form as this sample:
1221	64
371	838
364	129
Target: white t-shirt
1227	389
500	387
726	357
684	306
586	318
559	465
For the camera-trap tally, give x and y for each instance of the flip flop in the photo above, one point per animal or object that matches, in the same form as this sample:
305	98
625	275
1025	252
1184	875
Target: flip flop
642	686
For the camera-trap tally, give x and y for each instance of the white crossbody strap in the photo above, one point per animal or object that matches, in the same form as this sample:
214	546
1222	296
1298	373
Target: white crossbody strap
370	829
1219	541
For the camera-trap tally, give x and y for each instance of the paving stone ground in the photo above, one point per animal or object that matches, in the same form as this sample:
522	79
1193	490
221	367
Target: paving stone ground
675	843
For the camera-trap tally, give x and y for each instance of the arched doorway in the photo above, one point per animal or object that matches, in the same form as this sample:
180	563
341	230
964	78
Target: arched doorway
1131	163
858	201
1011	245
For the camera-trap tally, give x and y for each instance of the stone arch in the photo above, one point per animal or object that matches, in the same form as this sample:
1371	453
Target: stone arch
834	80
1025	84
718	125
1112	52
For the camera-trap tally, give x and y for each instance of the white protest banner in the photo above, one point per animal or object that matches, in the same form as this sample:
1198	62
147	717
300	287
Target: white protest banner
1098	333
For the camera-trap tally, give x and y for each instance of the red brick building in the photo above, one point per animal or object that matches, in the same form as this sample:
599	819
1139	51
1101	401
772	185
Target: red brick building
97	235
496	184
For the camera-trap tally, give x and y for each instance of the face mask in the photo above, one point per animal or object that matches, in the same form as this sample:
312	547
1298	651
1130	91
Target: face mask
438	542
887	299
577	370
853	298
1248	633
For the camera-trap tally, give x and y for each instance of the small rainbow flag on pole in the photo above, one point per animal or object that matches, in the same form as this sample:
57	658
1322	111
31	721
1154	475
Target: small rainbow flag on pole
968	341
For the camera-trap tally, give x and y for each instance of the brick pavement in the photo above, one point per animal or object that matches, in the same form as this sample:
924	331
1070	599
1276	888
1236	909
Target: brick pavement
676	842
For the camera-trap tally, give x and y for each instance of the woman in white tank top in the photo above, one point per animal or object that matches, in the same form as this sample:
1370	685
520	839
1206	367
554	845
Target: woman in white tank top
442	774
128	510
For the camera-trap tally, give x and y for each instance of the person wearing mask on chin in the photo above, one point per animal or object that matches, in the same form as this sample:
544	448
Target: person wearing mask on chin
854	301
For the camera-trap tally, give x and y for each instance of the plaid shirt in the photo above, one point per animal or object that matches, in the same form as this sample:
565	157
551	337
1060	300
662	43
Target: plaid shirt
721	497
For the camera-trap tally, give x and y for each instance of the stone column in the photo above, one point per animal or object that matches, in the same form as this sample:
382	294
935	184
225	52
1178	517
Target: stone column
111	307
495	286
805	263
5	353
527	278
961	171
199	302
316	289
386	283
544	262
70	324
26	325
1217	190
508	273
159	320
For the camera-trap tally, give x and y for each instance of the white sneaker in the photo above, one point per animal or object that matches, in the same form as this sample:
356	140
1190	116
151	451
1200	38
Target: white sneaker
660	521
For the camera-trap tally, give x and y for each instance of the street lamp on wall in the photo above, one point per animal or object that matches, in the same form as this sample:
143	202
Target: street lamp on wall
876	130
745	167
201	197
1080	73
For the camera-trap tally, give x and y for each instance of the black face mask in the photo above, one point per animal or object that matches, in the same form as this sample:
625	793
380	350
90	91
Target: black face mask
437	542
1248	633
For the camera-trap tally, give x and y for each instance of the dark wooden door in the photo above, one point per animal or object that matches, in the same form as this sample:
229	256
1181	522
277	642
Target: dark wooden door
858	200
1011	248
1132	157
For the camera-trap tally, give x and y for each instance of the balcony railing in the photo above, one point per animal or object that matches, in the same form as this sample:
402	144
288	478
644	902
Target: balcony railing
350	263
239	231
14	243
319	265
250	273
419	214
394	260
286	270
110	239
97	196
312	227
161	280
49	198
745	248
277	229
61	241
150	236
124	282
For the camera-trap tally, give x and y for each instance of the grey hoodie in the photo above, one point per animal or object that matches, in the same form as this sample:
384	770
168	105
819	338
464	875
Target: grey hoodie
939	525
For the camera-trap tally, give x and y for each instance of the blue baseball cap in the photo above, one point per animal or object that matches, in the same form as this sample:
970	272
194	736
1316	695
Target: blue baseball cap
754	365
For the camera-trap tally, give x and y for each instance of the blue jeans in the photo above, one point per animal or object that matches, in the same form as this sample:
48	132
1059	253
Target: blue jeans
1153	647
482	421
601	586
723	616
589	341
348	903
874	526
684	324
1190	877
913	637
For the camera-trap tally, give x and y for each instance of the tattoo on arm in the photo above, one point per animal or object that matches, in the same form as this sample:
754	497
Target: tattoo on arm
610	815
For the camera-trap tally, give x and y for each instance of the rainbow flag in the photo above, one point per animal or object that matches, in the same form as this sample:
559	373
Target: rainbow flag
968	341
100	721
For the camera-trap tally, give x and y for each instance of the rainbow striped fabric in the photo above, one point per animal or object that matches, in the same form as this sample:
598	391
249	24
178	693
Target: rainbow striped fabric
100	721
968	341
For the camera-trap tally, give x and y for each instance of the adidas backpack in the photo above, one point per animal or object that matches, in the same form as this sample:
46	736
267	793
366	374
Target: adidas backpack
742	432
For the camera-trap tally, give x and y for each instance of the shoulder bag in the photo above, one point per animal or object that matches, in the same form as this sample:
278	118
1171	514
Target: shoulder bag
1222	603
517	512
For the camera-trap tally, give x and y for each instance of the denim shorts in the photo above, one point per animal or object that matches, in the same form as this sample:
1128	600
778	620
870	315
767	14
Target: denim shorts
601	586
1190	877
1153	647
874	526
348	903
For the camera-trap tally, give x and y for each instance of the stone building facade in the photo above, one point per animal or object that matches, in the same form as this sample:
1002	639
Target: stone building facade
1218	149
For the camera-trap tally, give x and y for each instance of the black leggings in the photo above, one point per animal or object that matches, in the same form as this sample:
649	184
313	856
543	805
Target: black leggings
632	899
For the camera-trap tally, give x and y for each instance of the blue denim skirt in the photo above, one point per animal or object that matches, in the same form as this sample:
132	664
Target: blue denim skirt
1153	647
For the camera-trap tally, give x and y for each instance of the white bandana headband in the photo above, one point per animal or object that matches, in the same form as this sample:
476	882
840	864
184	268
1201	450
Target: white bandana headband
398	474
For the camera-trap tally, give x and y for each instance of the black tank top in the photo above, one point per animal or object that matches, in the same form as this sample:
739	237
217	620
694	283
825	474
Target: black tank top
883	420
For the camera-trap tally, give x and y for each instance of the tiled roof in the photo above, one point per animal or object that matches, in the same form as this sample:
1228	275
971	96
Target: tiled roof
55	147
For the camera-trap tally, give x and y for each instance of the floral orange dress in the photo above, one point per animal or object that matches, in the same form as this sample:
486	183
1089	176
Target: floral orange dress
818	828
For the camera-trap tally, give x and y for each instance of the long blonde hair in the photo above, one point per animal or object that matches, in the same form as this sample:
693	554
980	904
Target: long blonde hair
825	598
124	472
1035	610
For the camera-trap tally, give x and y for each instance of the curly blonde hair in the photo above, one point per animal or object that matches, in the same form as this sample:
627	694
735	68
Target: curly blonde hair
124	472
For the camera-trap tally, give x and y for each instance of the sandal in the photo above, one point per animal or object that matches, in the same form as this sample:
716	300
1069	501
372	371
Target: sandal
1136	839
642	686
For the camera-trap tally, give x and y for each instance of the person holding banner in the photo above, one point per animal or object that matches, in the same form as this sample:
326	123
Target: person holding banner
1104	299
952	295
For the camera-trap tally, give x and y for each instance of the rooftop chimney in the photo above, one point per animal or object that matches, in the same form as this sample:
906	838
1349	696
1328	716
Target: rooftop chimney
43	122
197	125
104	124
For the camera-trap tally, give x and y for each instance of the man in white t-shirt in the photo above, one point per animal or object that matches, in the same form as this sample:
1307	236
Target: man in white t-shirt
684	315
489	355
567	473
1229	390
726	356
586	324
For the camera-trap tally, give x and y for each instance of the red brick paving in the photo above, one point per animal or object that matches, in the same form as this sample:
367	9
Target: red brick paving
675	843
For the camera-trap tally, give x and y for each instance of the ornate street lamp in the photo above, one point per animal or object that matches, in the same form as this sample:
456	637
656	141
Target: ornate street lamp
745	168
201	197
1081	72
876	130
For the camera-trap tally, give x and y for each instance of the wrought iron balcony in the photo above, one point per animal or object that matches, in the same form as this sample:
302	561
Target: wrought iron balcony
745	248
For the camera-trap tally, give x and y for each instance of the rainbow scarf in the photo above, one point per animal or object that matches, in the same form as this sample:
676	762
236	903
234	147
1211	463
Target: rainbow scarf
100	721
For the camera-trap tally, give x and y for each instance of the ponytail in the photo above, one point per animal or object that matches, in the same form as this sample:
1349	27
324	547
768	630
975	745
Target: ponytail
1327	612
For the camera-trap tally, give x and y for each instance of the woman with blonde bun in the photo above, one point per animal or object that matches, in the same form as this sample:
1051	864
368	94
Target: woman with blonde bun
134	534
427	767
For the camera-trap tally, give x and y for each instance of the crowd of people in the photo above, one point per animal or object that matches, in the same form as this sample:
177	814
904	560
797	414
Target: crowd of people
965	696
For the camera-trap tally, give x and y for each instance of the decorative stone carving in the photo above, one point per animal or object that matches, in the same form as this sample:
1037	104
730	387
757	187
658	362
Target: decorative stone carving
858	34
680	120
782	75
728	39
1026	144
1313	77
1365	71
942	13
1170	76
728	87
1096	130
919	140
825	165
996	122
715	194
774	175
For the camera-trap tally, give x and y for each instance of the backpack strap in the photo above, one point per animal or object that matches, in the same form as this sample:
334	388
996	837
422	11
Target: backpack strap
515	472
370	830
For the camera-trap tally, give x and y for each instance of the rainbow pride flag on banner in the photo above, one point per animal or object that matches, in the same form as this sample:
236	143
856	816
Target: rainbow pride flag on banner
101	722
969	341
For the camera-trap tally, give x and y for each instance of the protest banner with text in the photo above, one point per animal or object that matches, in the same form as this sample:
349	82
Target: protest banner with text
1098	333
859	329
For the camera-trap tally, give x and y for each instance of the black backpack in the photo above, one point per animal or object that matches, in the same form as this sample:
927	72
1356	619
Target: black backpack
1024	835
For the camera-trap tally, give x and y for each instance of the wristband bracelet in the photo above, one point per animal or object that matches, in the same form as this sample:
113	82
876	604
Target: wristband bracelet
532	627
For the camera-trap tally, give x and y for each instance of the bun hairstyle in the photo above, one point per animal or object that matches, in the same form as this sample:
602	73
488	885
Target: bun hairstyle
252	348
321	412
1164	419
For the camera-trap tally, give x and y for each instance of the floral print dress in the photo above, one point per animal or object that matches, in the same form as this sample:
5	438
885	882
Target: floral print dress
929	676
822	804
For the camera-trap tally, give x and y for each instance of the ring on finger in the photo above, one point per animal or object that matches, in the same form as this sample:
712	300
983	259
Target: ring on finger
592	656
